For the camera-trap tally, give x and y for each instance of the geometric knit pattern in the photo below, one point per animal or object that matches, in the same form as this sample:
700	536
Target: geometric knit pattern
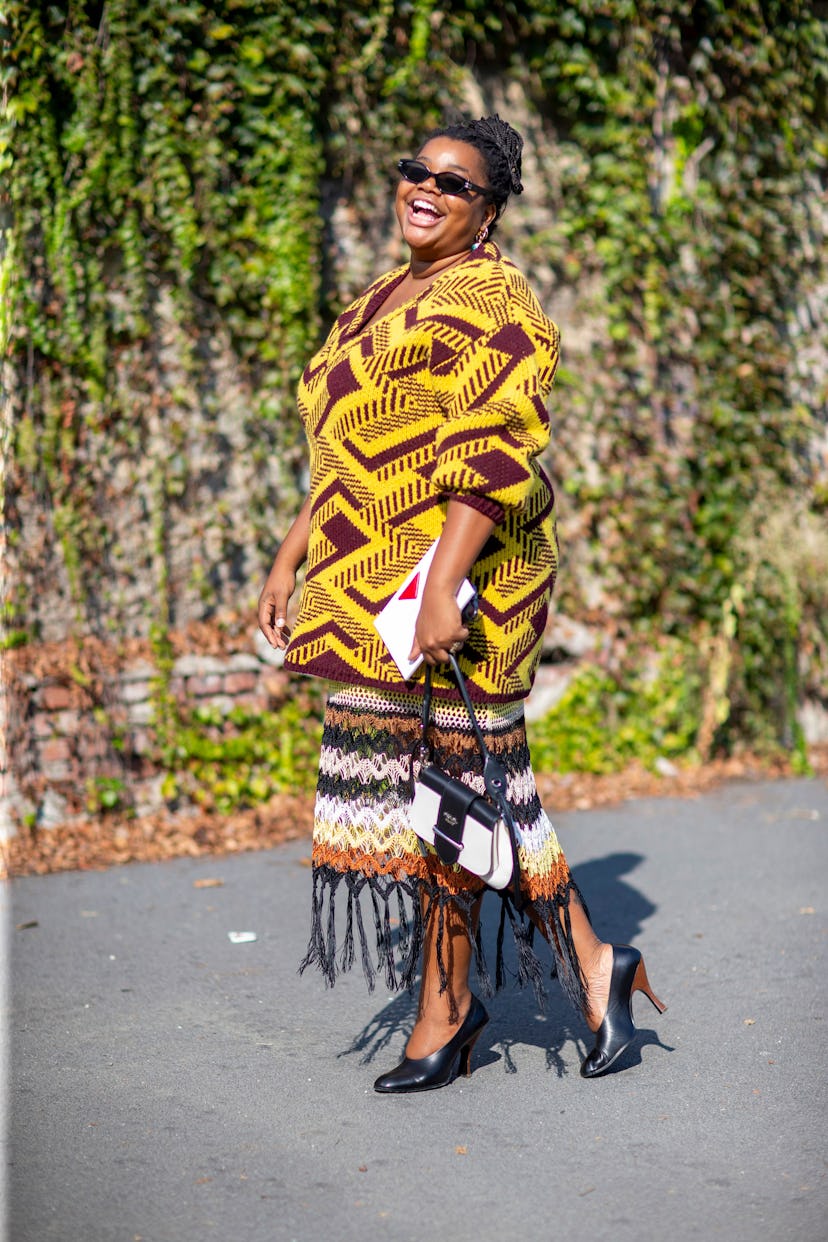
362	828
445	396
363	804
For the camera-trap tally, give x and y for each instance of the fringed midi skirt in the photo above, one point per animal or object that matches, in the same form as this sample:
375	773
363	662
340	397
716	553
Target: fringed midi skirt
366	853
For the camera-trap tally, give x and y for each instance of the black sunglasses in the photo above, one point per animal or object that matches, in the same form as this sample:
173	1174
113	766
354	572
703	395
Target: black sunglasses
446	182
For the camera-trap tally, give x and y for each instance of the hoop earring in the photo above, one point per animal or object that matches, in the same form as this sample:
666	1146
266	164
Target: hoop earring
480	237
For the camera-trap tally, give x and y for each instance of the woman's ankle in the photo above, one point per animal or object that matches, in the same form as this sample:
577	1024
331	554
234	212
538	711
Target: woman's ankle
437	1024
597	973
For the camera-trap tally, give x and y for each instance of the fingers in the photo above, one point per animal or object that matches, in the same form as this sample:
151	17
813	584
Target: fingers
439	626
272	620
282	633
438	652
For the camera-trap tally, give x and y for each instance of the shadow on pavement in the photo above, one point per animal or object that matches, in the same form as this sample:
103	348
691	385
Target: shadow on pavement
618	911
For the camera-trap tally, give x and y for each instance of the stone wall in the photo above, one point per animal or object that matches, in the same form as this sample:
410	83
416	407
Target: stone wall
80	721
79	724
84	730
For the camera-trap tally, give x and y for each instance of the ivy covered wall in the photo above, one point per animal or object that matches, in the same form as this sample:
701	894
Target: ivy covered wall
190	192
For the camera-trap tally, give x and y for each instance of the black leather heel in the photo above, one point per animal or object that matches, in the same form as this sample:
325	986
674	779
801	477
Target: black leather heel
464	1068
443	1066
617	1030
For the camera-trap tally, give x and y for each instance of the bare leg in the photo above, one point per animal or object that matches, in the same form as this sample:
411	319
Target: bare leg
594	958
434	1026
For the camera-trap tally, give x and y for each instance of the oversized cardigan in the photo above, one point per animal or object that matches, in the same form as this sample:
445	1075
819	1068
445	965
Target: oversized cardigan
444	397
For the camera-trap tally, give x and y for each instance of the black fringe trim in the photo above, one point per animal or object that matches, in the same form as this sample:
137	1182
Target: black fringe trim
398	950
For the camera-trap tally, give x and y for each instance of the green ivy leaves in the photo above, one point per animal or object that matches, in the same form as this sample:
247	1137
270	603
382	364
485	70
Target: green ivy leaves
178	153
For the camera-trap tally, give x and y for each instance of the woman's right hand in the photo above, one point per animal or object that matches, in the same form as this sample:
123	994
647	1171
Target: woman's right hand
273	603
281	581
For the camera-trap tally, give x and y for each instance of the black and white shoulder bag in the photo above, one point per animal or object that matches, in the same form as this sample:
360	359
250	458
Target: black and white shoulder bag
474	830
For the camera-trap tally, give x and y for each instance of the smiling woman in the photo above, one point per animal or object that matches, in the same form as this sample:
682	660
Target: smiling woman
425	412
440	203
443	211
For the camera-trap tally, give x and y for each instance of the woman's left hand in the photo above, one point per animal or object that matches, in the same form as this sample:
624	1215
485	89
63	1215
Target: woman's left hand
439	628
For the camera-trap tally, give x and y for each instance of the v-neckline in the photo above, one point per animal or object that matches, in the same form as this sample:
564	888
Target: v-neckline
363	322
376	300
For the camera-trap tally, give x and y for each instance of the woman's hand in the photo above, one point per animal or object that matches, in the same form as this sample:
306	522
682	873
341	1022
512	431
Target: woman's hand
439	627
281	581
273	602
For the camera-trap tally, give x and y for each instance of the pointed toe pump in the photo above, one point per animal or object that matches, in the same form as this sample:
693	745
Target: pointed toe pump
617	1030
443	1066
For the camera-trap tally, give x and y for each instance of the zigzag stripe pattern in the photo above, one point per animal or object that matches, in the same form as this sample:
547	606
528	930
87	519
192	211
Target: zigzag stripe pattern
444	396
366	855
363	800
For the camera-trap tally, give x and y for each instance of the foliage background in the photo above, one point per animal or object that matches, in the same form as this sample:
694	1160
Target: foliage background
190	192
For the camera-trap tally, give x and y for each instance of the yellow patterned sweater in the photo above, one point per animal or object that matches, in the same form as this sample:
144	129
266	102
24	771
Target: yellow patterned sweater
443	397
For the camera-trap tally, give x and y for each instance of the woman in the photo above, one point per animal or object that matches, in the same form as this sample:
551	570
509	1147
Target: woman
425	413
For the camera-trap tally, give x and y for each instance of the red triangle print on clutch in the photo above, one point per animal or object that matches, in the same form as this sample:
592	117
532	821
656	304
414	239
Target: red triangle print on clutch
410	591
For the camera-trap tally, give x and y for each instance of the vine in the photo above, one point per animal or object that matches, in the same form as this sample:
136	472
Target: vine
696	153
171	173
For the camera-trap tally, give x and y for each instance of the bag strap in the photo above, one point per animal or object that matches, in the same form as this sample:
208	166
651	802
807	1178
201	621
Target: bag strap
494	773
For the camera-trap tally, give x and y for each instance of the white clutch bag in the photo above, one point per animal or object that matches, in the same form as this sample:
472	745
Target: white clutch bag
395	624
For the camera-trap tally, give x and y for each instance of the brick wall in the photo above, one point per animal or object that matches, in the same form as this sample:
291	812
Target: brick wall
70	721
69	729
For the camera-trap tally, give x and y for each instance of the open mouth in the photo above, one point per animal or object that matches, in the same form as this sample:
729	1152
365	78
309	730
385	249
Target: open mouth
423	211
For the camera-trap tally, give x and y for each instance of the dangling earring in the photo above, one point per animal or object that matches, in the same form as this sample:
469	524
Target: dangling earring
482	234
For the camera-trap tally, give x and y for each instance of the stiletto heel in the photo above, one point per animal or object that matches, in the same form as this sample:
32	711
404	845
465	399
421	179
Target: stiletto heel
443	1066
642	984
464	1069
617	1030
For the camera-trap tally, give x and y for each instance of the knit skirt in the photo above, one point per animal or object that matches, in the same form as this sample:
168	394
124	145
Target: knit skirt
366	854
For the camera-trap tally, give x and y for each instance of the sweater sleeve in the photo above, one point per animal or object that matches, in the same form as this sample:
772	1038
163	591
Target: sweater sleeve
493	395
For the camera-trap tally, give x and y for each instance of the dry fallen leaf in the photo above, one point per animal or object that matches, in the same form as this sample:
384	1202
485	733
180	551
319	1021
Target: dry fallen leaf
208	882
92	845
461	1151
24	926
750	1021
363	1168
807	910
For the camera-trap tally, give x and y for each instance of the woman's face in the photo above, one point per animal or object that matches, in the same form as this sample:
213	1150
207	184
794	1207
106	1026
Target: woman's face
437	225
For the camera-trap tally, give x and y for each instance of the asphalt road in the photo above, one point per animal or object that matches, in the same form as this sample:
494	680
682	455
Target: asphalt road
168	1085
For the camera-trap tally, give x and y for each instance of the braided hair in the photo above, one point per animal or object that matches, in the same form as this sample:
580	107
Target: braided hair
501	147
